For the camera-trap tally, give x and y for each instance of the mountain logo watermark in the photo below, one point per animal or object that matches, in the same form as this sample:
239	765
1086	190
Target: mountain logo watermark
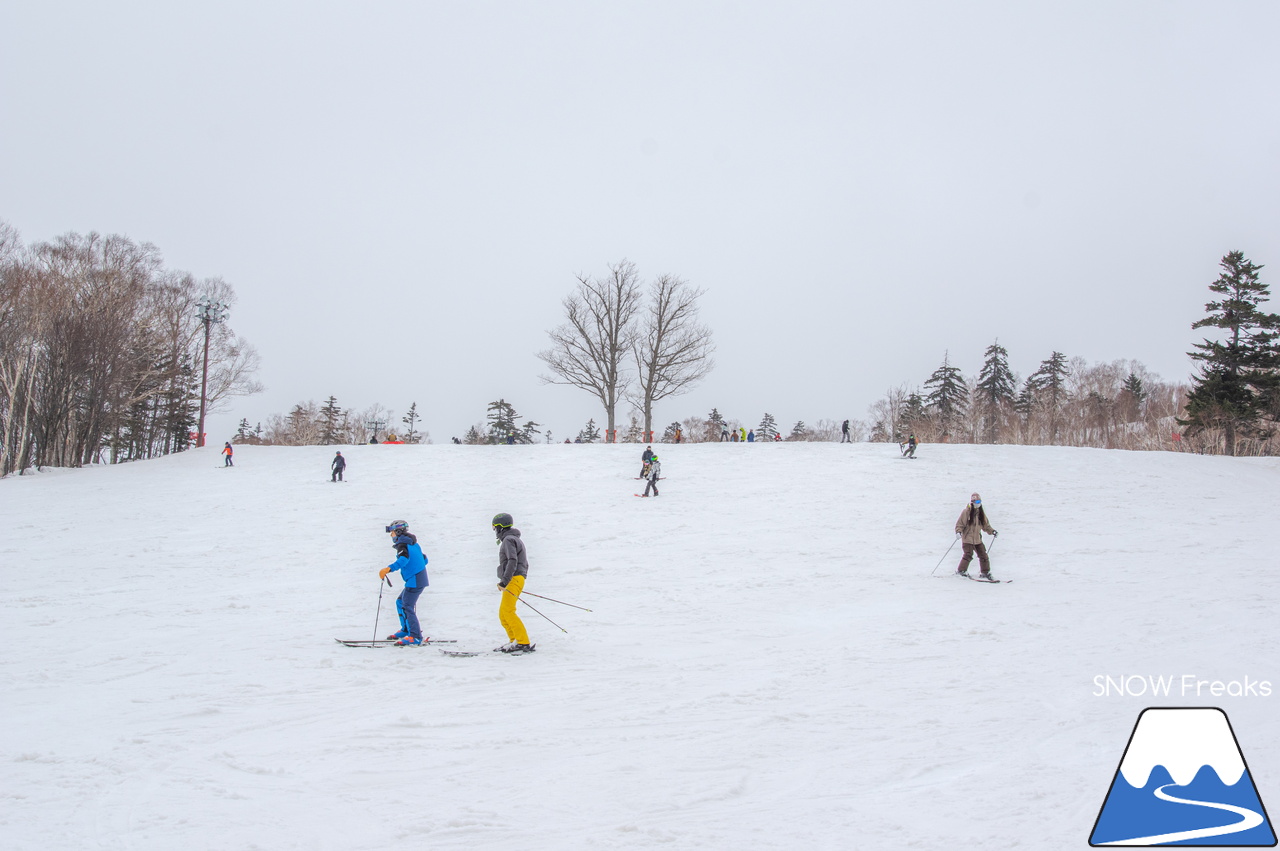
1183	781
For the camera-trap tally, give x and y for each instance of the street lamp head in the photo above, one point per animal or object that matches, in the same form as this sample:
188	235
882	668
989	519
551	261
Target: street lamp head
210	310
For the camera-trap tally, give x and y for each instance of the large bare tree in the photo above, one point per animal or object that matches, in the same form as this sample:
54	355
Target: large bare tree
672	350
591	348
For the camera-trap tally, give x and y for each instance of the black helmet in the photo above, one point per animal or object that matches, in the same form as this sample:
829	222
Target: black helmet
502	521
398	526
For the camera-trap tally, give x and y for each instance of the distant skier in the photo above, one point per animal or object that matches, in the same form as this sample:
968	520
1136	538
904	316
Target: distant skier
844	432
227	452
644	460
751	436
655	473
909	448
743	431
412	565
970	526
513	569
339	464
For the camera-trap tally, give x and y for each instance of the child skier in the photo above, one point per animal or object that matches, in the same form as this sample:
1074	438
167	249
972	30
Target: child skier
655	473
227	452
970	526
412	565
909	449
339	464
513	568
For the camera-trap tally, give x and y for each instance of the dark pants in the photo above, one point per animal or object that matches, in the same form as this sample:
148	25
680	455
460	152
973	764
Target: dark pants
653	483
844	437
407	609
983	562
228	463
337	474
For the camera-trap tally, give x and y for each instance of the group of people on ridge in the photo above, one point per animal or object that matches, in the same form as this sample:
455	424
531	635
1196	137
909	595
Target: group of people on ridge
411	563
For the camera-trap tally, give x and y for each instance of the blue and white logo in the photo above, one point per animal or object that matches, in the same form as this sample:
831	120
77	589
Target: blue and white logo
1183	781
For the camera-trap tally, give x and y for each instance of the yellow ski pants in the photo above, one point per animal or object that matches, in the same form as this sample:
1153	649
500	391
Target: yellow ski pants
507	611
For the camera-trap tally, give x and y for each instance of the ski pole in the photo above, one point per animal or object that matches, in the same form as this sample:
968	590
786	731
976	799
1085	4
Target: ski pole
379	614
944	556
530	605
993	544
561	602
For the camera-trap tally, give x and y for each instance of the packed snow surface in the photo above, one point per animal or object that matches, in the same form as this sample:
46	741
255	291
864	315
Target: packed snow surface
770	661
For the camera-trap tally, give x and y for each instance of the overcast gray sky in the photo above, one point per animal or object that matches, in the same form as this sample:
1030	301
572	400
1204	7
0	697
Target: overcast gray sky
402	193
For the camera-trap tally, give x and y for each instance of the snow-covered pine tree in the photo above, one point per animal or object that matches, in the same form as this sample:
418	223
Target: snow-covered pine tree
1239	377
996	390
799	431
767	429
634	432
589	433
715	424
948	398
244	432
473	437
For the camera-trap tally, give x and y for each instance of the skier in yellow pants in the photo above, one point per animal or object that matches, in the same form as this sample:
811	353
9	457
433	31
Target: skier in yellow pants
513	567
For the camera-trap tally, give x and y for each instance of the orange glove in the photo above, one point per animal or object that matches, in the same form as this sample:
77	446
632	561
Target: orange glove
382	574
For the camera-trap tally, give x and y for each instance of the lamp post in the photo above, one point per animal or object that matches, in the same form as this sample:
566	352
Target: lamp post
374	425
208	311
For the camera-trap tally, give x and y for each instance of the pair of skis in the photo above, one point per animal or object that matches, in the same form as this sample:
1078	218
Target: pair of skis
390	642
532	647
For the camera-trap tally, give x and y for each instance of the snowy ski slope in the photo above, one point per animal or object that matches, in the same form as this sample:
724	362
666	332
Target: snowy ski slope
769	663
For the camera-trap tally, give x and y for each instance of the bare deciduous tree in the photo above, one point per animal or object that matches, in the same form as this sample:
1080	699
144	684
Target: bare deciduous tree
590	350
672	350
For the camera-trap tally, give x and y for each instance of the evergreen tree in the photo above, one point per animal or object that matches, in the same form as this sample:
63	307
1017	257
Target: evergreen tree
715	424
669	433
1129	402
331	423
411	420
913	414
1238	378
634	432
996	388
799	431
243	432
948	398
589	433
767	429
1049	384
528	432
473	437
502	420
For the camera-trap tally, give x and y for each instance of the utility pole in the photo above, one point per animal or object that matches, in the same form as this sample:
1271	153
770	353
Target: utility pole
209	312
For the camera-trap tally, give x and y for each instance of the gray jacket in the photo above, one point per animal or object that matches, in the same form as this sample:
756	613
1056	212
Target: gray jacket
655	470
512	558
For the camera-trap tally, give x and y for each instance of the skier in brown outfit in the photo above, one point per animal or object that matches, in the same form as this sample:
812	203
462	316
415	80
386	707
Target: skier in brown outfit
970	526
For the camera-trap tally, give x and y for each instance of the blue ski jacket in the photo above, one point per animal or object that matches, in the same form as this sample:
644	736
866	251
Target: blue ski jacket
410	561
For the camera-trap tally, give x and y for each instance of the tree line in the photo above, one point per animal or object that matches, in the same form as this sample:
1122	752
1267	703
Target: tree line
101	352
1231	405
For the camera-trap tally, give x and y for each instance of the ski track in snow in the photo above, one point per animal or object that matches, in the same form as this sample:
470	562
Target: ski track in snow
767	664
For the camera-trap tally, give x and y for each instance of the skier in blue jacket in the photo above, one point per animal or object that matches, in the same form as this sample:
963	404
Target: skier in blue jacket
412	565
